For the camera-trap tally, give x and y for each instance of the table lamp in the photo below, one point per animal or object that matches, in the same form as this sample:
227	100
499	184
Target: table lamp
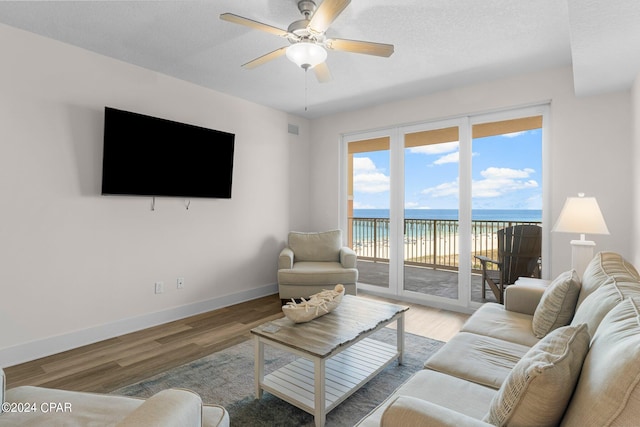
581	215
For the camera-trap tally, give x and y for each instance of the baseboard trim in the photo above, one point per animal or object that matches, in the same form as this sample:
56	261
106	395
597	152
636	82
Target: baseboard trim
47	346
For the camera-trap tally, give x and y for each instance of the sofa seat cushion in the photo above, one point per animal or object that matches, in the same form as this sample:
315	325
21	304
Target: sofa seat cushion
317	273
557	305
486	360
608	392
462	396
494	321
603	267
539	387
322	246
410	411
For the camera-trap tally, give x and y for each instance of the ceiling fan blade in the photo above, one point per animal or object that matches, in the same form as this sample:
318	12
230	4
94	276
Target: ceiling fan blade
326	13
253	24
265	58
357	46
322	72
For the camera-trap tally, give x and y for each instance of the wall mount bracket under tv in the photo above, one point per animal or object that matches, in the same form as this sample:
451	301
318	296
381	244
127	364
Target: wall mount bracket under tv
150	156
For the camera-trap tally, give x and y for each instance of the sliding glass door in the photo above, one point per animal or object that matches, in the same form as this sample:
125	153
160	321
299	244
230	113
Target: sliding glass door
368	207
422	202
431	227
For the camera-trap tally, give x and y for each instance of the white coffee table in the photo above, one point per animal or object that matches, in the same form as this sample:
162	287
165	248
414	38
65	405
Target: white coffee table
336	355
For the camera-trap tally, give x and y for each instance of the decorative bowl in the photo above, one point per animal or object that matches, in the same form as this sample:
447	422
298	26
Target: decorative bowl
317	305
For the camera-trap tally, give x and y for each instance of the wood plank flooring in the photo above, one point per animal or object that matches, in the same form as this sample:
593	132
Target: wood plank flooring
107	365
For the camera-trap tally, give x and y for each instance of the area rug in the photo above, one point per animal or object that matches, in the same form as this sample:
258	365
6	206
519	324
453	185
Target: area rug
226	378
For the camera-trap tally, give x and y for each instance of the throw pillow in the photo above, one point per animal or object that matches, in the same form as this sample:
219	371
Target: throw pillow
536	392
557	304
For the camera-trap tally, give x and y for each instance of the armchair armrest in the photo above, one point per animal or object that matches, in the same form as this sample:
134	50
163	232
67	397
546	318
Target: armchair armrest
172	407
523	297
285	260
348	257
411	411
484	260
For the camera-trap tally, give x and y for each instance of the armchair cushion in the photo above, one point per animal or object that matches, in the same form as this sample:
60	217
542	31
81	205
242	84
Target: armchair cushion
172	407
536	392
557	305
322	246
317	273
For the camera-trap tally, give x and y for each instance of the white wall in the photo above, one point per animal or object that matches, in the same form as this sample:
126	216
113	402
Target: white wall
299	172
635	187
590	147
77	266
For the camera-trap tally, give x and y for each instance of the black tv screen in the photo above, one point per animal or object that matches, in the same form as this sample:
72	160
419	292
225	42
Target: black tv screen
149	156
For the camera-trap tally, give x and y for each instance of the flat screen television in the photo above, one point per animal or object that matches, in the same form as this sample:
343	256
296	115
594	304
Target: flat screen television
149	156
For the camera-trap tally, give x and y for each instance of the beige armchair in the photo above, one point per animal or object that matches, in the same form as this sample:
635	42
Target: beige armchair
38	406
315	261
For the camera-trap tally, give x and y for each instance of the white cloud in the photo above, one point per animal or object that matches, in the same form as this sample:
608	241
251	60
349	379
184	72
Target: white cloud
500	181
367	178
506	173
445	147
363	164
442	190
414	205
496	183
514	134
448	158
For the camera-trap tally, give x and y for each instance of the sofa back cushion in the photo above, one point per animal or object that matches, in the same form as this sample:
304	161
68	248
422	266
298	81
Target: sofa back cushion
322	246
608	391
538	388
604	267
557	305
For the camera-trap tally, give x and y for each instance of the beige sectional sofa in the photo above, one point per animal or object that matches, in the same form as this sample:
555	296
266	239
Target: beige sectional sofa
37	406
518	364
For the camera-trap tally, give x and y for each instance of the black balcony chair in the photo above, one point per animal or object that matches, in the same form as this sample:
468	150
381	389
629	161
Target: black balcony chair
519	250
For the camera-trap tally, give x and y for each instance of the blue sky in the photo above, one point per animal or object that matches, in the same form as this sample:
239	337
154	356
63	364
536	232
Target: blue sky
506	173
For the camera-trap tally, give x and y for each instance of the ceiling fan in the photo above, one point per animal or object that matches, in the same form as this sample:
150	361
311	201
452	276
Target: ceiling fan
307	37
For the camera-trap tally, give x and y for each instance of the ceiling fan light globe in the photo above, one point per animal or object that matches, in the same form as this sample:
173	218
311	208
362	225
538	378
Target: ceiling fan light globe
306	55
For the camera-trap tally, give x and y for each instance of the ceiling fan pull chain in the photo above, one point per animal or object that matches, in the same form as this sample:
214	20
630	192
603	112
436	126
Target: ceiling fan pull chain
305	87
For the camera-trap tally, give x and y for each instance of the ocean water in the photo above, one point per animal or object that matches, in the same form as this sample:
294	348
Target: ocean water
517	215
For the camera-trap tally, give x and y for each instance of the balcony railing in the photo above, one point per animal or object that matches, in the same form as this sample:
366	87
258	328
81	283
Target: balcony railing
427	242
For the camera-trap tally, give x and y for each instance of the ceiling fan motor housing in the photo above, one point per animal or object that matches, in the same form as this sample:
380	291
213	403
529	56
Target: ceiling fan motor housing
306	7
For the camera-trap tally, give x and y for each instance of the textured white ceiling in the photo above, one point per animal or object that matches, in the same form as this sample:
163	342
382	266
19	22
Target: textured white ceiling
439	44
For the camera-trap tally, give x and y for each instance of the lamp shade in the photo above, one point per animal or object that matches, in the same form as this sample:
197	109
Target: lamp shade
306	55
581	215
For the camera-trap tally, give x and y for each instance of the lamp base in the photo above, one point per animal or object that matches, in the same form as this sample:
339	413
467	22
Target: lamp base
581	255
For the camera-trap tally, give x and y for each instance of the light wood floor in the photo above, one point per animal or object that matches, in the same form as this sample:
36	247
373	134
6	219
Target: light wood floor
107	365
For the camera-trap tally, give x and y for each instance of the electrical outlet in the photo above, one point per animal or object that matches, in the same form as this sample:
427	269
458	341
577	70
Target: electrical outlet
159	287
180	282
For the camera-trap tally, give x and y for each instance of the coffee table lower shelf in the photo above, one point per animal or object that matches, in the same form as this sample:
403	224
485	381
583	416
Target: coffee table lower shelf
345	373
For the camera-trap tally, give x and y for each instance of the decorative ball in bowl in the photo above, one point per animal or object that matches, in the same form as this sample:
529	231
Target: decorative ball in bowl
317	305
